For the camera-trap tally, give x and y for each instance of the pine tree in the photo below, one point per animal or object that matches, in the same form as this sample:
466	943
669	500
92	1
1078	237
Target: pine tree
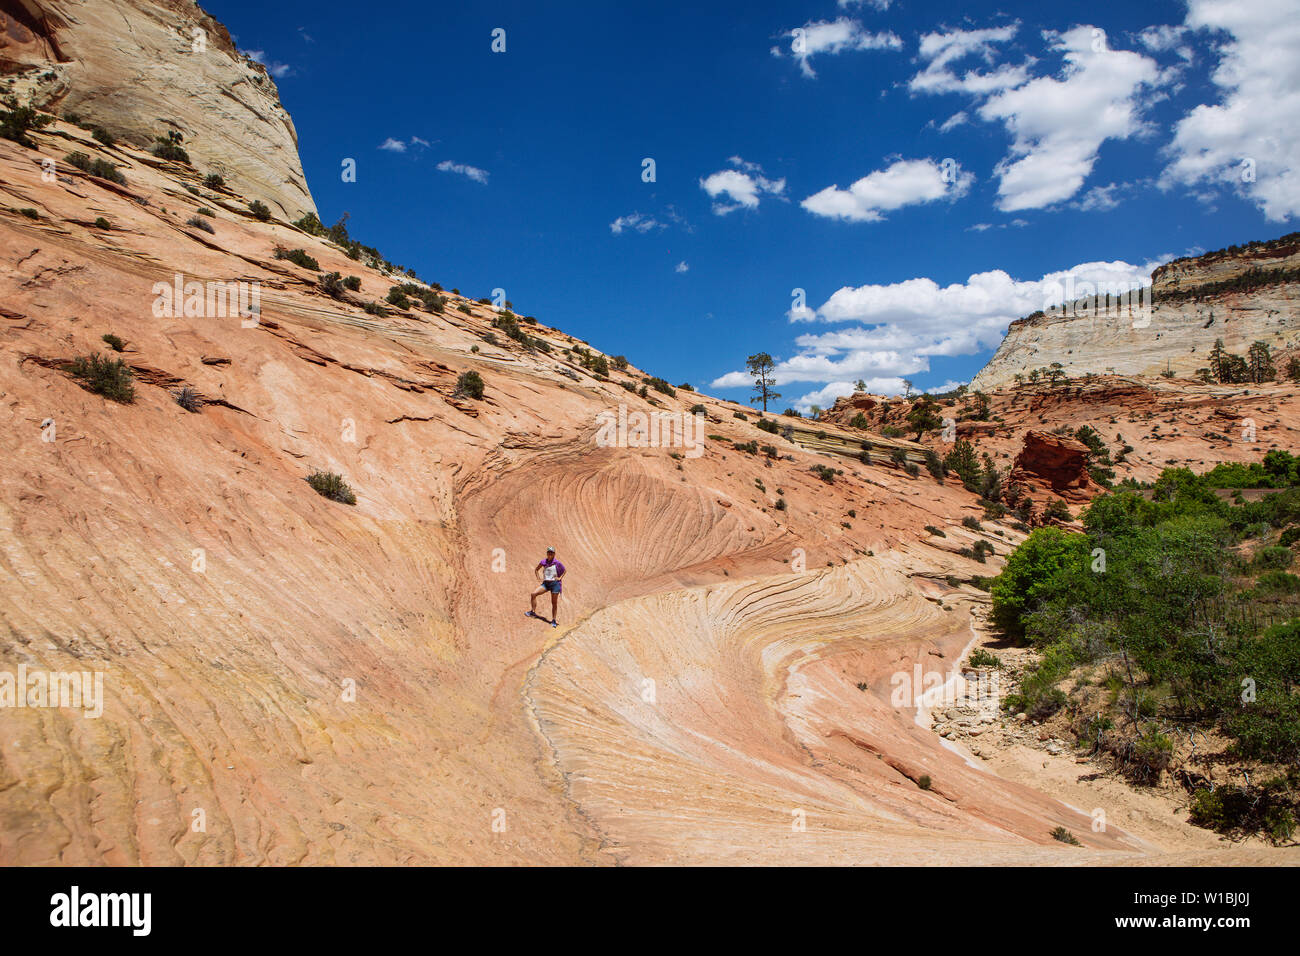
1260	363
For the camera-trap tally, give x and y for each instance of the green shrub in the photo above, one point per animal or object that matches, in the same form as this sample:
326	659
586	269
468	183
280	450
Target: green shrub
170	150
769	426
1233	810
780	504
111	378
825	473
297	257
332	486
698	409
260	210
17	121
1273	558
95	167
113	342
103	135
1029	575
970	521
102	223
331	283
470	384
935	531
924	781
982	657
214	180
1278	582
352	283
1062	835
198	222
30	213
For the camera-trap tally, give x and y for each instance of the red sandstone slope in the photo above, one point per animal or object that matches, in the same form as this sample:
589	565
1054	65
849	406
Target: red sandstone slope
318	683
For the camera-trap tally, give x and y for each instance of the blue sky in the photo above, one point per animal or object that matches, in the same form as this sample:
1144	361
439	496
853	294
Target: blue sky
916	173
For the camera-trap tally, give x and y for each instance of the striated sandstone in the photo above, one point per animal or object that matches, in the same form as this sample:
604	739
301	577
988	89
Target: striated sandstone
1177	333
142	68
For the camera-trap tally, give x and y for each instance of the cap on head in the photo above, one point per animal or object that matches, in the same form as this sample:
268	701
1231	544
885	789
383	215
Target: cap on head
550	550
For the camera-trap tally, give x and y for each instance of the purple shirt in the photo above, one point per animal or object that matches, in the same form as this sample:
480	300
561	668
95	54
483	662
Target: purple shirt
552	570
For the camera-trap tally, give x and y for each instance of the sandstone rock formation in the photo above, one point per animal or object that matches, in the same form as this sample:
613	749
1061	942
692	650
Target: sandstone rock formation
1192	303
325	683
142	68
1054	462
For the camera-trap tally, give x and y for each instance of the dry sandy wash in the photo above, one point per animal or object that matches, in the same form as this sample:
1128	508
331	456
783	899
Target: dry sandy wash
323	684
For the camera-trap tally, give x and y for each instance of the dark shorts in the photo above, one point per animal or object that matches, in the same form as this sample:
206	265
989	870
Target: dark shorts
552	586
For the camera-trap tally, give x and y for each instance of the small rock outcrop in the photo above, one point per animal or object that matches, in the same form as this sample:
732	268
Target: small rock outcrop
1054	462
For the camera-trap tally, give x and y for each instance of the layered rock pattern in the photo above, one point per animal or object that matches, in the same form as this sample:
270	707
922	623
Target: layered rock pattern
144	68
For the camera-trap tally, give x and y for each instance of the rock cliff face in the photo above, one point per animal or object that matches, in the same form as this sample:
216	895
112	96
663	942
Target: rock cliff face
1053	462
1239	295
142	68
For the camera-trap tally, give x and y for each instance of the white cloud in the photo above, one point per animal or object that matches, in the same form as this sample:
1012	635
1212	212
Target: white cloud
942	50
636	222
1058	125
682	267
394	145
881	5
1163	38
1098	198
947	386
1254	130
953	121
742	186
891	331
274	67
472	172
905	183
832	37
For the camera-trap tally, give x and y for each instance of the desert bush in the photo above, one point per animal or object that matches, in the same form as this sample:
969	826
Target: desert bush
1275	558
332	486
113	341
352	283
260	210
198	222
470	383
169	148
17	121
331	283
214	180
297	257
102	223
982	657
111	378
1062	835
188	399
95	167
